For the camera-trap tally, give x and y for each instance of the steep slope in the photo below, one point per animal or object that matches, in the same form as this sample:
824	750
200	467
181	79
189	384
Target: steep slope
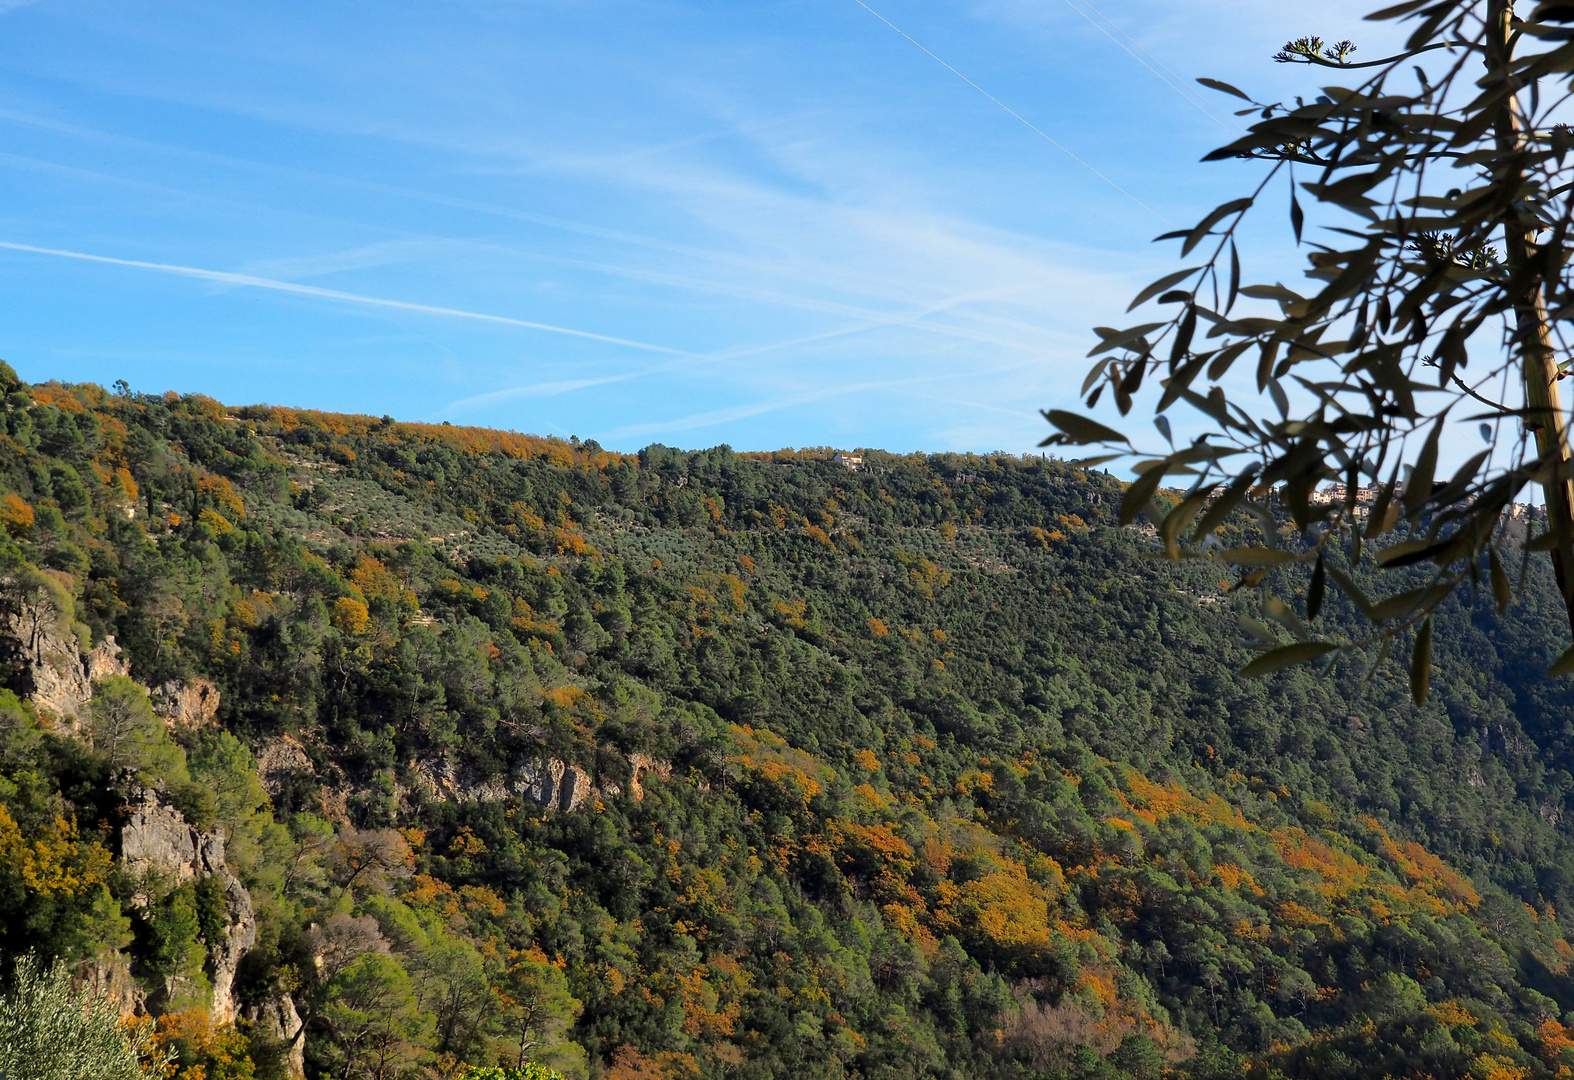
703	764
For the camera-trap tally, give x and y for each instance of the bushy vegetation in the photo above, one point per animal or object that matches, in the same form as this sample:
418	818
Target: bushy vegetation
919	771
50	1031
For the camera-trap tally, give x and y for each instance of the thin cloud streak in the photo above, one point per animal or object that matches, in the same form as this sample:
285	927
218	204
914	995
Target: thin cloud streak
819	271
335	294
552	389
828	307
744	412
1012	112
546	389
307	266
366	256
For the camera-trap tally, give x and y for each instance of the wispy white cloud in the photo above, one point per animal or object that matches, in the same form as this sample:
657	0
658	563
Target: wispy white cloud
337	262
1034	128
1030	275
775	225
689	365
827	252
890	388
252	281
536	390
842	252
717	417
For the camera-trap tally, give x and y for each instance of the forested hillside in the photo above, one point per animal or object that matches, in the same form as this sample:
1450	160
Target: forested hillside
361	748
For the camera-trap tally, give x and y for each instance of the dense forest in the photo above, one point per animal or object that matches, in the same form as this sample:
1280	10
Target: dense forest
343	747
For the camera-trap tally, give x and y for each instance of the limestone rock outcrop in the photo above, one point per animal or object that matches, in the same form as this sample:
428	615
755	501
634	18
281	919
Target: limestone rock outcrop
42	644
277	759
104	660
109	977
547	782
191	704
640	764
450	784
278	1022
157	842
554	785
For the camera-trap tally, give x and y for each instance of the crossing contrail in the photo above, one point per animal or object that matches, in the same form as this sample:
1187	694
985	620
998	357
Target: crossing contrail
251	281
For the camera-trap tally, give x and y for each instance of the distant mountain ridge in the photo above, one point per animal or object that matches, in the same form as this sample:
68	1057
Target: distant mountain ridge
404	745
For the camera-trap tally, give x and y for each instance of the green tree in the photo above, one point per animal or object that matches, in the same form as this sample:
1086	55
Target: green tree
123	727
37	604
255	845
451	984
446	971
19	732
1434	298
174	947
50	1032
537	1006
373	1021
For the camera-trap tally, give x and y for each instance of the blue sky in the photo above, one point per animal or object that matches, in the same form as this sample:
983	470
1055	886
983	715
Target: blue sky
765	223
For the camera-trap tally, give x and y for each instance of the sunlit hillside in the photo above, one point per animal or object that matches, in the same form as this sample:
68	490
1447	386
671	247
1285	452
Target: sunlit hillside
345	747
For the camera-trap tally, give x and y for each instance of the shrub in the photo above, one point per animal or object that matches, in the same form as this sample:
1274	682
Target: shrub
50	1032
528	1071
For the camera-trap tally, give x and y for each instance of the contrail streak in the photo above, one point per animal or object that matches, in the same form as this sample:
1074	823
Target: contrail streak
1034	128
334	294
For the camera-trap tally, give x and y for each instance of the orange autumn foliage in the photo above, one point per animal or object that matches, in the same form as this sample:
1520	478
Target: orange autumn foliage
376	580
223	492
1426	870
54	860
1337	872
1555	1039
767	755
201	1047
1153	802
351	616
63	397
16	517
1234	877
629	1064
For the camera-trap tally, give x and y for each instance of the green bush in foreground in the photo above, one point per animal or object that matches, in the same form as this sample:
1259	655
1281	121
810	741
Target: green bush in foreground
48	1031
528	1071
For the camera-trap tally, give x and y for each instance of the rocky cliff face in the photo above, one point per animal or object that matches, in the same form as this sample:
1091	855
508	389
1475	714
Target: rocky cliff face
191	704
553	784
63	676
279	1022
547	782
277	759
50	664
54	671
639	765
109	977
157	840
